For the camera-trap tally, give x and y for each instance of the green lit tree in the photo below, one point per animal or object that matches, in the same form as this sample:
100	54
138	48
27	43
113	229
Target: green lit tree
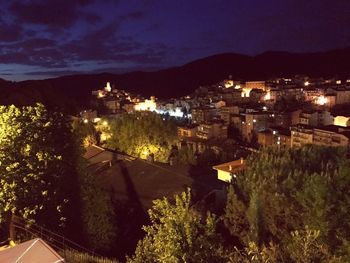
179	234
140	134
38	152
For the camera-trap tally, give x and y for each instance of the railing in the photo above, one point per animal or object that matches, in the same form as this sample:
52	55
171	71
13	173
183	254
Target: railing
60	243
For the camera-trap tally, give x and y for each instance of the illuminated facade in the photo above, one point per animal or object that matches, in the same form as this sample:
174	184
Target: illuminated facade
301	135
230	170
207	131
342	121
189	131
329	137
147	105
250	85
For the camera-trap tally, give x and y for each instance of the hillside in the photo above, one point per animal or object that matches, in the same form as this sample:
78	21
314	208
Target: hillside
72	92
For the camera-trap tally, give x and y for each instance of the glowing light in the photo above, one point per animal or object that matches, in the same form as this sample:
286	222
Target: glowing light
105	123
105	136
246	92
267	96
100	94
147	105
86	120
338	82
173	113
238	87
97	119
306	83
108	87
228	83
321	100
342	121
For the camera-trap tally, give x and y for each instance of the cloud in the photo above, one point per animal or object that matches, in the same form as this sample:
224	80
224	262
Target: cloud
9	32
53	13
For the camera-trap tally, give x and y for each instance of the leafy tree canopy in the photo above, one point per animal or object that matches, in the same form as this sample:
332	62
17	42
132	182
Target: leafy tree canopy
141	134
37	164
179	234
287	191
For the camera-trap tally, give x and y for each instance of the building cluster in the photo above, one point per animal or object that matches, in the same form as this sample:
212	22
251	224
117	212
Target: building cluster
286	112
112	101
283	112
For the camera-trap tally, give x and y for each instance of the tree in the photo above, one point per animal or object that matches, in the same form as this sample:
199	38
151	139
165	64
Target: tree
178	234
38	152
141	134
283	190
98	216
235	216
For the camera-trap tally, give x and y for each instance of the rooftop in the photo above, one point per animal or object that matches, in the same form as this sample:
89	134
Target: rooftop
233	166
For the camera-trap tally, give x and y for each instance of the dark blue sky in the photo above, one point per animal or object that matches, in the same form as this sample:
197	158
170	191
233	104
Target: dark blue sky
45	38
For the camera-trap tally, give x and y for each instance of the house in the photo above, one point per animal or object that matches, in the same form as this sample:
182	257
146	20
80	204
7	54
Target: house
342	121
139	182
254	122
202	114
331	135
227	171
210	130
35	250
189	131
265	138
275	136
227	111
301	135
315	118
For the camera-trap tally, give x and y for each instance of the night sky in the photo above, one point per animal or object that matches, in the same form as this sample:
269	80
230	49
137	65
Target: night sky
46	38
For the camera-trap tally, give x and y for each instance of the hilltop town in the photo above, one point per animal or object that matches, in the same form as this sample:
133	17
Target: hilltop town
281	112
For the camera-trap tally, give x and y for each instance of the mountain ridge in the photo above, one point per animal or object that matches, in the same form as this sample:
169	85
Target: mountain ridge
73	91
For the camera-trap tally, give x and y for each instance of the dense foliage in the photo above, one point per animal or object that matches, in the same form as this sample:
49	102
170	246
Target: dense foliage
178	234
294	201
141	134
97	214
38	154
288	206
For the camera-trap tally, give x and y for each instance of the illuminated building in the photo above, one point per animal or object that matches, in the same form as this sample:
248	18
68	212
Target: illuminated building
267	96
111	104
322	100
253	123
210	130
202	114
301	135
250	85
315	118
275	136
189	131
330	136
227	111
147	105
342	121
230	170
101	94
228	83
108	87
